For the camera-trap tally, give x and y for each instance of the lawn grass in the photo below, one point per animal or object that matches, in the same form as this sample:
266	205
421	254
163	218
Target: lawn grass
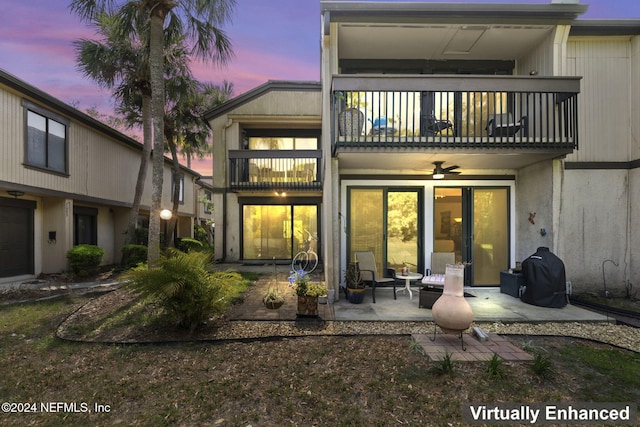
325	380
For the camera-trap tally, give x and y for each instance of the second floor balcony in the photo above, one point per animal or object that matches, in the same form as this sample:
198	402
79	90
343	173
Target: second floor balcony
278	170
463	112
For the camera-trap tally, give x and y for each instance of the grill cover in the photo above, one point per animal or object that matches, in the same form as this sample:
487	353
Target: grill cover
545	280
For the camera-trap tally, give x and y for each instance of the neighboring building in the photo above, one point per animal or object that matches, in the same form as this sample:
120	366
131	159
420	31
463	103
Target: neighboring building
67	179
267	172
538	111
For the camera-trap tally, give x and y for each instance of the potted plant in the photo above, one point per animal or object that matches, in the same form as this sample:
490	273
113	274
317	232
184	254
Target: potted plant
307	293
355	285
350	119
273	299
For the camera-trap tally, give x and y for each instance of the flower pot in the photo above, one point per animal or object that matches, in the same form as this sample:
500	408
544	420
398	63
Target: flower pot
351	122
307	306
273	305
451	311
355	296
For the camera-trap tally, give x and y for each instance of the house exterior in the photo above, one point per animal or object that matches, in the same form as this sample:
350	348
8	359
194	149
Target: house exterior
267	172
67	179
487	130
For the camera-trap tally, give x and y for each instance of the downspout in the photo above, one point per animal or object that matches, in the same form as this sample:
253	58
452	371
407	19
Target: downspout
225	190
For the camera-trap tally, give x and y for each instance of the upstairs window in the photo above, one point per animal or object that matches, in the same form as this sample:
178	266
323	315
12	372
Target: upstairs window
46	144
180	187
207	202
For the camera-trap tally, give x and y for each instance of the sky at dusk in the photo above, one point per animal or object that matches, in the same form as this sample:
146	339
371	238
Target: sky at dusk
272	40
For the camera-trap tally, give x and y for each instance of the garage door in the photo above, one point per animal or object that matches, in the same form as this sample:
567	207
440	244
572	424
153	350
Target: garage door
16	237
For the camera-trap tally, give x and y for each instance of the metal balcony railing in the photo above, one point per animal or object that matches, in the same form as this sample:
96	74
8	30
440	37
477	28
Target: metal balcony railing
275	169
461	111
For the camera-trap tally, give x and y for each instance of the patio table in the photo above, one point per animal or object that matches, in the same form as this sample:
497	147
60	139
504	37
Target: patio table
408	278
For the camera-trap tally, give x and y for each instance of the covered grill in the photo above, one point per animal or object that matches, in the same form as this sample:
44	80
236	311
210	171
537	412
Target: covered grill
545	280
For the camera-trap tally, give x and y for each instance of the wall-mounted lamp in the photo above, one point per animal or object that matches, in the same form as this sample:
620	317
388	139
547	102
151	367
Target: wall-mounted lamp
281	194
165	214
16	193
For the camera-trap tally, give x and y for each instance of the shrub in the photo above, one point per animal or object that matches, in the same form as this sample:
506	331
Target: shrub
133	255
444	365
542	365
494	367
184	287
200	234
187	245
85	259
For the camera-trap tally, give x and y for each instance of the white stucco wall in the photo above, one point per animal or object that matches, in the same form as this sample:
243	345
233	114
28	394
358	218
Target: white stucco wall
594	226
534	190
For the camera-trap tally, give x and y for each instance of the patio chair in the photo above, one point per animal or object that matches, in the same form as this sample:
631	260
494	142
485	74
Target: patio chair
369	273
503	125
439	261
435	126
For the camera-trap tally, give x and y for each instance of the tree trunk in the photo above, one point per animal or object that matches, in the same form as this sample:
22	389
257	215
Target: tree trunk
176	193
156	64
142	172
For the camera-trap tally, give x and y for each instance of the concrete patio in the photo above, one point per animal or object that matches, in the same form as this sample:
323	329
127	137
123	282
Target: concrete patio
488	304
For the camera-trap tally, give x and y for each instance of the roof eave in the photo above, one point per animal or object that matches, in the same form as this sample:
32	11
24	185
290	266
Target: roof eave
271	85
556	13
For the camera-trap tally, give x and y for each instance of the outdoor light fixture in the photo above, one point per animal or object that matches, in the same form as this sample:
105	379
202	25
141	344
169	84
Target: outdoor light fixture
16	193
165	214
439	171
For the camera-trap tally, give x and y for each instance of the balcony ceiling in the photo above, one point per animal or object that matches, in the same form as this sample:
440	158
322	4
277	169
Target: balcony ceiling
439	41
418	163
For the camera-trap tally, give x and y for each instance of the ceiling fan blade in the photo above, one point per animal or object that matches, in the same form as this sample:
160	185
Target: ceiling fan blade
450	168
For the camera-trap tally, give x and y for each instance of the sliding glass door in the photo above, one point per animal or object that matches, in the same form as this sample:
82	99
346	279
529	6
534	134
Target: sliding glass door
387	222
277	231
473	222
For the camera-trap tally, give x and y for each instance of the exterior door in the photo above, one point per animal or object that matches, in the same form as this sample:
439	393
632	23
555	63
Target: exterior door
473	222
277	231
387	222
16	237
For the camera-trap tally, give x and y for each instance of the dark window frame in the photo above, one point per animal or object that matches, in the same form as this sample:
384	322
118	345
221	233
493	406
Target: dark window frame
49	117
181	189
207	203
91	215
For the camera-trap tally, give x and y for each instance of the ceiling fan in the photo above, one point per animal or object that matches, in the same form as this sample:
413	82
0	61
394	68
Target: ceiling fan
439	172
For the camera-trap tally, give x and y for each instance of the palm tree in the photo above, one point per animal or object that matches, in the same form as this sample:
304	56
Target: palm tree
200	21
121	62
186	130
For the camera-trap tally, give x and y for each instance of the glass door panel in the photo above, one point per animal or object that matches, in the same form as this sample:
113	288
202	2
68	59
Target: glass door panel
305	222
490	228
474	224
366	225
386	222
402	230
265	234
448	221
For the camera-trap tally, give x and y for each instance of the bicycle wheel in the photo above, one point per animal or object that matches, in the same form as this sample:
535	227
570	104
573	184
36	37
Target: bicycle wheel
313	261
300	261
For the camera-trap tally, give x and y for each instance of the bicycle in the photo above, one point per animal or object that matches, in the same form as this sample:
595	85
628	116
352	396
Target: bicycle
306	260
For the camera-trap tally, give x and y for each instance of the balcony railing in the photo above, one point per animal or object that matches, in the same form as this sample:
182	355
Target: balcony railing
462	111
275	169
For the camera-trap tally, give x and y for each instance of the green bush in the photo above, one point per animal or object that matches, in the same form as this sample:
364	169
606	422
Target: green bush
133	255
200	234
184	286
84	260
187	244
